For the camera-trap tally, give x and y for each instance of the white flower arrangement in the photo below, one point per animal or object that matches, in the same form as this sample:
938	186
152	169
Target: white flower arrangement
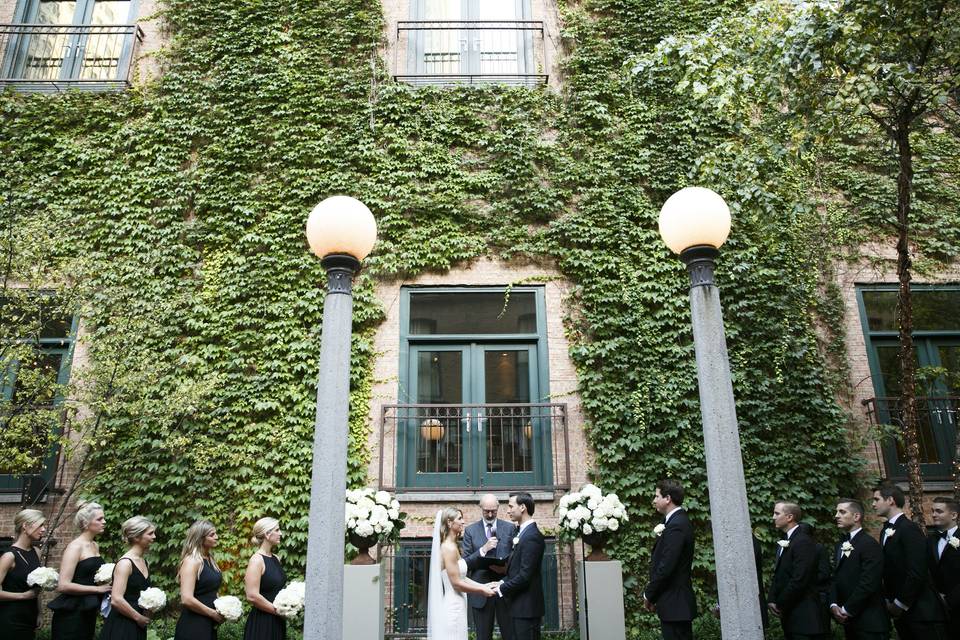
104	574
588	511
289	602
43	577
152	599
372	513
658	530
954	542
846	549
783	543
229	607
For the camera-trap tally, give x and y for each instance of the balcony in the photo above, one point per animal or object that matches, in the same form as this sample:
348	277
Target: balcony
53	57
937	431
441	449
470	52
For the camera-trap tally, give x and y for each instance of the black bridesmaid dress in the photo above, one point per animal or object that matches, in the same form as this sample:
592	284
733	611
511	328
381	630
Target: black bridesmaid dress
119	626
75	615
195	626
260	624
18	619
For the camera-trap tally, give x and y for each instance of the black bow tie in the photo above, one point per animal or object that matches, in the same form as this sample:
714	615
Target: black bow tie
845	537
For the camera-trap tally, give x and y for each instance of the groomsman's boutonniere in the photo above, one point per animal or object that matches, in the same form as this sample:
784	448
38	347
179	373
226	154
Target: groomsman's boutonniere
954	542
516	539
888	533
658	530
846	548
783	543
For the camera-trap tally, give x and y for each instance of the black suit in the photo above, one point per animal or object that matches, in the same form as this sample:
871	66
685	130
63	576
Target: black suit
945	570
906	578
794	588
670	587
486	609
858	588
523	586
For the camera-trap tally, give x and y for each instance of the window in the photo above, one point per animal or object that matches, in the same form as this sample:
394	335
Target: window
84	43
474	388
33	370
471	41
937	345
411	564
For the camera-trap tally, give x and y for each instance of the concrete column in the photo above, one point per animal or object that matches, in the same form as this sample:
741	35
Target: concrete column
363	602
600	594
739	592
323	608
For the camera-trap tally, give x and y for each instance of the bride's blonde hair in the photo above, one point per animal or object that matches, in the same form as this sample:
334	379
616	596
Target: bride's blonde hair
449	515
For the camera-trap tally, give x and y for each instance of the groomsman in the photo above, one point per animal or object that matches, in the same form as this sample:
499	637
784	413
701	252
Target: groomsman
793	591
856	593
908	590
492	537
945	558
670	590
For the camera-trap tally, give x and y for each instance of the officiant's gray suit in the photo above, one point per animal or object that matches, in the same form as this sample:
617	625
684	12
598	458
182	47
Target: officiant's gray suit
486	609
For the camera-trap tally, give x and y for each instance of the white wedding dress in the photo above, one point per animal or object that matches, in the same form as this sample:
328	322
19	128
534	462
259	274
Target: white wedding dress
446	607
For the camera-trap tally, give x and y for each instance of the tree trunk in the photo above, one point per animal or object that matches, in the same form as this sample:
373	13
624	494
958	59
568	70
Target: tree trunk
908	398
956	463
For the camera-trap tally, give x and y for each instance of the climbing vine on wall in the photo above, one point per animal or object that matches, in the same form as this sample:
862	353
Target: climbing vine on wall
189	195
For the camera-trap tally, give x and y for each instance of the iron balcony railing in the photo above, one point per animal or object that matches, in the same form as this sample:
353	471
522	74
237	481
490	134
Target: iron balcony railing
405	572
53	57
936	430
456	447
456	52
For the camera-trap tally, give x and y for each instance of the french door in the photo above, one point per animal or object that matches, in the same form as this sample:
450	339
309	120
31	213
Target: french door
475	423
57	46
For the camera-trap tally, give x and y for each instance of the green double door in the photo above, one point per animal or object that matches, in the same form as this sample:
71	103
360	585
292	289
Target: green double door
472	424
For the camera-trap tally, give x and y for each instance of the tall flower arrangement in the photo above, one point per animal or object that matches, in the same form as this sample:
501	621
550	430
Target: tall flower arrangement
373	514
590	515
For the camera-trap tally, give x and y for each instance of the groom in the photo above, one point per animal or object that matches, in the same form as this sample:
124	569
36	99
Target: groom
523	587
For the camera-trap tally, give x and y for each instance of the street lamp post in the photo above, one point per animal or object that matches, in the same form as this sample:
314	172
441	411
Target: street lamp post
341	231
695	222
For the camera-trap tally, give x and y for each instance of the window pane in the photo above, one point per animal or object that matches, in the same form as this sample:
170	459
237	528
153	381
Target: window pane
950	361
36	316
510	430
472	313
437	430
933	310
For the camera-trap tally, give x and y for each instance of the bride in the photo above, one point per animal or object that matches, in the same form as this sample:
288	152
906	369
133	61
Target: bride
448	584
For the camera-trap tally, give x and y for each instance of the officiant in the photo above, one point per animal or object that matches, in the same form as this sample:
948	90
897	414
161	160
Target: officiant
487	544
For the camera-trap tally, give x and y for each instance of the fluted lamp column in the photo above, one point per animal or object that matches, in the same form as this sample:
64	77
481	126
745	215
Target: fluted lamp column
695	222
341	231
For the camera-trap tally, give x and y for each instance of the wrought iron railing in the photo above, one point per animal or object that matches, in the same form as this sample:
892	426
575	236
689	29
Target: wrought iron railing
455	52
936	432
405	571
449	448
53	57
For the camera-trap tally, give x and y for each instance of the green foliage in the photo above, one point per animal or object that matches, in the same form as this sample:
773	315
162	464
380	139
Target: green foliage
187	198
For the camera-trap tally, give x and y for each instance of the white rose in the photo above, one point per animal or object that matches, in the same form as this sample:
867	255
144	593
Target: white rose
587	529
383	498
593	503
152	599
229	607
564	501
395	505
599	524
613	525
364	529
954	542
562	512
394	514
378	515
658	530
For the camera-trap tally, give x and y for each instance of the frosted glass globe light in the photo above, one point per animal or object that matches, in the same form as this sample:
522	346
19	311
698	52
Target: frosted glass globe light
694	216
341	224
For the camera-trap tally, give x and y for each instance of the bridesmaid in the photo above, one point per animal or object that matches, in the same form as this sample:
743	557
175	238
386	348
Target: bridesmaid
75	609
19	608
131	575
200	579
263	581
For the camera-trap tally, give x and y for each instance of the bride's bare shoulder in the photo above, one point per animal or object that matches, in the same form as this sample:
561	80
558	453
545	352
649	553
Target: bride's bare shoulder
448	548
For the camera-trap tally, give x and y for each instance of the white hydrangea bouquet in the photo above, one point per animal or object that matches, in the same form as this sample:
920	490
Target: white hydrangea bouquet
289	602
587	513
104	574
373	514
152	599
44	578
229	607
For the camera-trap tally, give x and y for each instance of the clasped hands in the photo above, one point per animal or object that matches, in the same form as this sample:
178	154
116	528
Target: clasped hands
839	615
492	589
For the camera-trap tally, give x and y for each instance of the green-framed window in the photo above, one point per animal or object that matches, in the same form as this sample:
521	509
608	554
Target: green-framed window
937	345
473	364
30	394
411	564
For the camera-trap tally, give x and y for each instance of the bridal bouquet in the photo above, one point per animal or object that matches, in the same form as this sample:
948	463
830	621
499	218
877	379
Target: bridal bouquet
588	511
289	602
372	513
229	607
152	599
104	574
43	577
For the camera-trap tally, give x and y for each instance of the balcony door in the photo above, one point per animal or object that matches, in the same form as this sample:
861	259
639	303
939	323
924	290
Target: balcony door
61	40
474	426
